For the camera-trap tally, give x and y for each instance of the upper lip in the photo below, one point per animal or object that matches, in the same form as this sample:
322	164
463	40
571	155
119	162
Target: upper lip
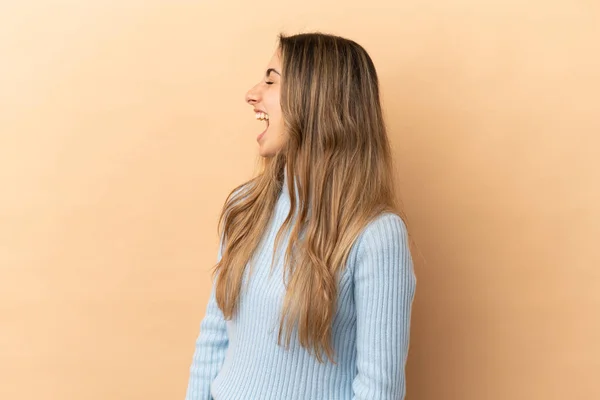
257	110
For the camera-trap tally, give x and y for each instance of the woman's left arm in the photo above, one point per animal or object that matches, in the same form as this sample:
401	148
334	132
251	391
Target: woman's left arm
384	288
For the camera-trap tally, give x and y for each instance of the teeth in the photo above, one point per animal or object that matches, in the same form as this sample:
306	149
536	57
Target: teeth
262	116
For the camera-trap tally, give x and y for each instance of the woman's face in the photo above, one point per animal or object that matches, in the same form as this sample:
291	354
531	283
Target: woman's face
264	99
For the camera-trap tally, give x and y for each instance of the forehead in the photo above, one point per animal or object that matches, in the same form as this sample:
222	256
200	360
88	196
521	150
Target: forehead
275	61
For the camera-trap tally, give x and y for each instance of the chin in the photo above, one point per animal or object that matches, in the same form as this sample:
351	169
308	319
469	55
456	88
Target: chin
266	153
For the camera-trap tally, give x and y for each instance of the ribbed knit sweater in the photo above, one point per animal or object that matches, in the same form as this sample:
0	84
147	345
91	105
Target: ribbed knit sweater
239	359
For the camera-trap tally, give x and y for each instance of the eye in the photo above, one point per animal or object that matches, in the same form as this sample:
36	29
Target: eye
269	83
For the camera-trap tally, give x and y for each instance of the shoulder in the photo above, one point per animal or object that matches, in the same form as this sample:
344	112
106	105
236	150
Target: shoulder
383	240
385	230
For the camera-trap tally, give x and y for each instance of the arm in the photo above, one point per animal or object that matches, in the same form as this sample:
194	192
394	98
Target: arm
209	354
384	288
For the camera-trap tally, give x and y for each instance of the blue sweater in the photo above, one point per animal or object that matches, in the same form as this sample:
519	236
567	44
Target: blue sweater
241	360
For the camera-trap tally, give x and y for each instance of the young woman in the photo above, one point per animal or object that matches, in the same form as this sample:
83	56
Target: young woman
313	249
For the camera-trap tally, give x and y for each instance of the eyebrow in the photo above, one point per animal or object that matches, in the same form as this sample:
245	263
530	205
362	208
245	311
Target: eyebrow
271	70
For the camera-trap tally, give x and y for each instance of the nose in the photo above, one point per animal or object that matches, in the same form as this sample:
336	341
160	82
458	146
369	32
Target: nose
252	96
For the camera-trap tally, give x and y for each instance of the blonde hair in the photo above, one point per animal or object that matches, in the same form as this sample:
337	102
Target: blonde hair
338	156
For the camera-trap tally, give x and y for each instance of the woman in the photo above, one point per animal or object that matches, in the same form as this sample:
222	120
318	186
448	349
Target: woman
319	229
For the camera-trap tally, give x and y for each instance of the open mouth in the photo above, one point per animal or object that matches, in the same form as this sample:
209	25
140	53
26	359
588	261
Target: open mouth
261	116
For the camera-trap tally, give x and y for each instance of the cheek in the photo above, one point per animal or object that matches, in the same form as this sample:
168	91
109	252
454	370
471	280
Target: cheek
274	105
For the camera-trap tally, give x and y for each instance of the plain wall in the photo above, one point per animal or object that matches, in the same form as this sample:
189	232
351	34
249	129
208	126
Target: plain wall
123	127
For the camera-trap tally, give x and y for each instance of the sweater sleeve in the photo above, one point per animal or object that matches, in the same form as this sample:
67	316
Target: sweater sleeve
211	346
384	288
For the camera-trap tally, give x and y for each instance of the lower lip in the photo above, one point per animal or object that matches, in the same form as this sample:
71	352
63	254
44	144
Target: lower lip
261	135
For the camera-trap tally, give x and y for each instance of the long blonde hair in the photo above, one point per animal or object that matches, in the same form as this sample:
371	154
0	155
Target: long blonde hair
338	157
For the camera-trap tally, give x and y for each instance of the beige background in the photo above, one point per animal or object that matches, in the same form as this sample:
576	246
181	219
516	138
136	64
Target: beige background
123	127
